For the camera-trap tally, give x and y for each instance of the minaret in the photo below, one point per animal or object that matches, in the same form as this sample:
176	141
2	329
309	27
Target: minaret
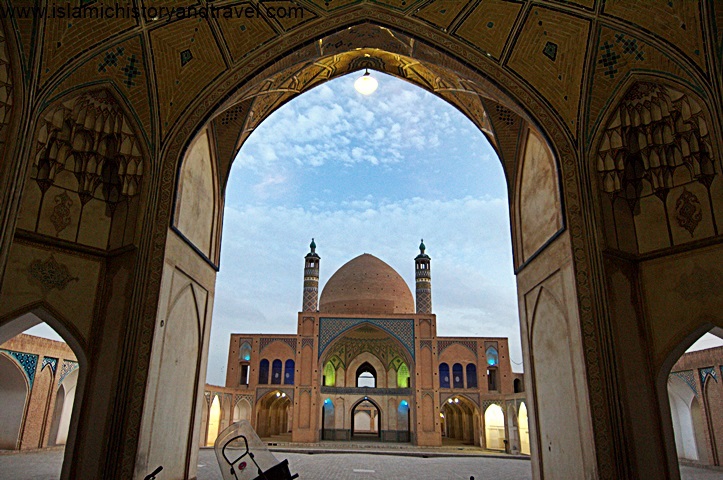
424	281
311	280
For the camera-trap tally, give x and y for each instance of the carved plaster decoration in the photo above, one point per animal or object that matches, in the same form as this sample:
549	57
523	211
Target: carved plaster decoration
61	212
656	139
688	211
50	274
90	136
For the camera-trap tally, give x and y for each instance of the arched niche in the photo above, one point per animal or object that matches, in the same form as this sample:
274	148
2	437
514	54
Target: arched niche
494	427
242	410
682	422
460	419
656	168
214	421
524	429
272	414
65	398
366	419
86	177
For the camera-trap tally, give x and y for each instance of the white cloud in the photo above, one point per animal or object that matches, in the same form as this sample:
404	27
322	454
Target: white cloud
314	130
468	240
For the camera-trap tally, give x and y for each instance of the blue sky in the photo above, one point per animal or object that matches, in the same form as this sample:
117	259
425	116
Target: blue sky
365	175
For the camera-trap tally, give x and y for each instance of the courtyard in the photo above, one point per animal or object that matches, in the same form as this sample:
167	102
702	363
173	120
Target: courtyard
45	465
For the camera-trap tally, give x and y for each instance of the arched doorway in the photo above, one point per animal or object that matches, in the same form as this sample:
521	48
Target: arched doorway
328	420
13	396
366	420
524	429
214	421
53	369
549	163
460	421
689	382
273	414
404	422
494	428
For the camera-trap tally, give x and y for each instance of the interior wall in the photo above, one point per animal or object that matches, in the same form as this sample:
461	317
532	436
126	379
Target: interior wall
178	357
538	211
561	438
196	202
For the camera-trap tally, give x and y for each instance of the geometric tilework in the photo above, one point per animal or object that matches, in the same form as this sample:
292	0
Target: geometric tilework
53	362
186	56
487	403
425	344
27	361
609	59
424	298
66	369
688	377
265	342
401	329
550	50
307	341
443	344
613	52
705	372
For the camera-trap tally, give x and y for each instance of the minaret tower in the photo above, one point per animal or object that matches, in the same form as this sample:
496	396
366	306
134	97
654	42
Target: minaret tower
311	280
424	281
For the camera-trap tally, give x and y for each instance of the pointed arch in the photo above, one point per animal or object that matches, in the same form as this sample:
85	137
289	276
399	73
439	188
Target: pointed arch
214	421
329	375
14	393
366	418
244	352
403	376
20	320
242	410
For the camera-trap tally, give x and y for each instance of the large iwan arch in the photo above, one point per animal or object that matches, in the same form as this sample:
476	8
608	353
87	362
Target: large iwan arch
144	114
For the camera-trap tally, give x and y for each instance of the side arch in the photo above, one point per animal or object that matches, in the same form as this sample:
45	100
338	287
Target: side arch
14	392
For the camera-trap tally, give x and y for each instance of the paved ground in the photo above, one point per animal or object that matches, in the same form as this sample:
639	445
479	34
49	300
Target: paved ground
46	466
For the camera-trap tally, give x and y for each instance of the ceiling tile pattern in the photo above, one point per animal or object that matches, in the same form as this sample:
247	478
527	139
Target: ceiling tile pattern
489	26
547	45
548	55
677	21
442	13
186	58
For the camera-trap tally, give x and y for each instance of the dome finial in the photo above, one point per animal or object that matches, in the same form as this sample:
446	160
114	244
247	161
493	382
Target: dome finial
422	247
312	245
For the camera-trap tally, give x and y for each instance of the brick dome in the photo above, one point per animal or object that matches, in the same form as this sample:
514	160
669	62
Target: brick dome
366	285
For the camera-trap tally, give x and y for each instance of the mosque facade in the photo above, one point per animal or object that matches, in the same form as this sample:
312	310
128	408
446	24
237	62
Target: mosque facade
366	363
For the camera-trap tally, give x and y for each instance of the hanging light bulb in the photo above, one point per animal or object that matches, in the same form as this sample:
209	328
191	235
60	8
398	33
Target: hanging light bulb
366	84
